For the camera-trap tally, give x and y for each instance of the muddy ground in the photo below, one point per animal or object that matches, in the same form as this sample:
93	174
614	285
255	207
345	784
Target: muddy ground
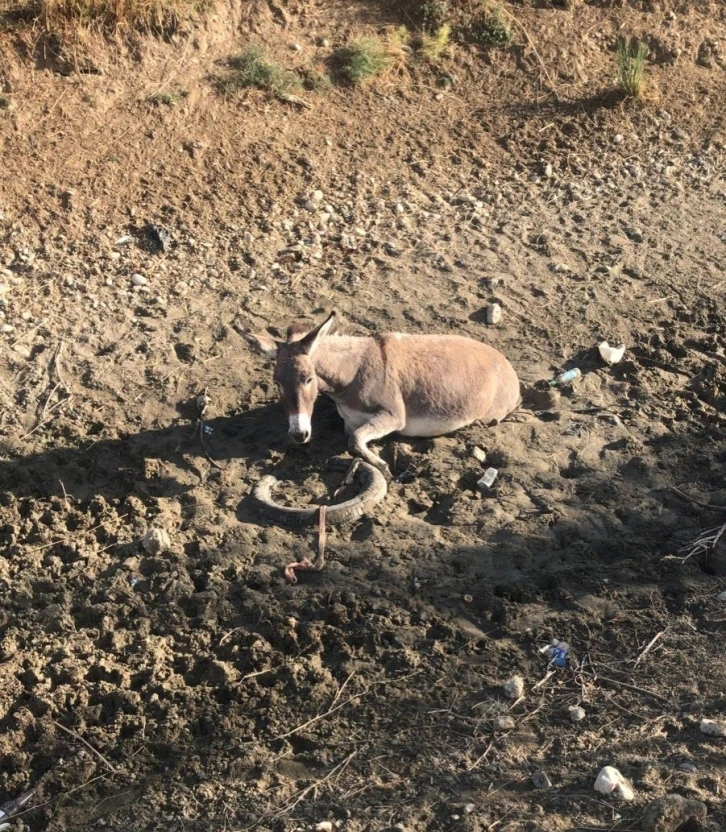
194	689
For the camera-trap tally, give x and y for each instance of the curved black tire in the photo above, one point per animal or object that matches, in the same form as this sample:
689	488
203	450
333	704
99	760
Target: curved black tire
373	490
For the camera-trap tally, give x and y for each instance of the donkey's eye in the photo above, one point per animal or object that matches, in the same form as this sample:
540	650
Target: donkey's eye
309	380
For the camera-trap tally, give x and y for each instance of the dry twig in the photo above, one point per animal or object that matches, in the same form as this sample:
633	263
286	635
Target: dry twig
88	745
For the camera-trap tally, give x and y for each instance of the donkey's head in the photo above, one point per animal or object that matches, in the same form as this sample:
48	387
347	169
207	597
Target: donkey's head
295	371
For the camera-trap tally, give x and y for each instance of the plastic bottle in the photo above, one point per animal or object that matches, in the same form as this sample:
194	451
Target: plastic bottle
566	378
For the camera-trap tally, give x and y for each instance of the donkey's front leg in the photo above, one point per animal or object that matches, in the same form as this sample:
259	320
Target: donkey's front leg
377	427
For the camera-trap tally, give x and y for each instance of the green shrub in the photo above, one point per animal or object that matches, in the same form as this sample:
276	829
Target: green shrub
362	59
631	67
252	69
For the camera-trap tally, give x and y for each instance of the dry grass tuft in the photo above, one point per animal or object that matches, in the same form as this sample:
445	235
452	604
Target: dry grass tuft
147	15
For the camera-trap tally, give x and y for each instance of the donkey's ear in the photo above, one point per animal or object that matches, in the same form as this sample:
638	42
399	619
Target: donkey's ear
264	343
312	340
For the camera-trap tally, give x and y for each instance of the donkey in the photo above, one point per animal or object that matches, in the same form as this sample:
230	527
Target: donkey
416	385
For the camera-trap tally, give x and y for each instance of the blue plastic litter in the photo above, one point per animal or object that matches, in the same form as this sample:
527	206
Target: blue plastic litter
557	653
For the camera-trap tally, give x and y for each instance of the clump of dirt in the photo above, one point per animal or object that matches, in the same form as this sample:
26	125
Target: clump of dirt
191	687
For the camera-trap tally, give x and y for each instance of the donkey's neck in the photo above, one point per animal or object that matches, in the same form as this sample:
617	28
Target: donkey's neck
337	360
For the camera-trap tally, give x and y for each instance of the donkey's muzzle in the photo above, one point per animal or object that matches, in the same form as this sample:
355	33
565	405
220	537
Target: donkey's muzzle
300	436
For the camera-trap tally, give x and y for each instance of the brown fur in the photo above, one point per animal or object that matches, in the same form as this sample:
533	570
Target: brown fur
418	385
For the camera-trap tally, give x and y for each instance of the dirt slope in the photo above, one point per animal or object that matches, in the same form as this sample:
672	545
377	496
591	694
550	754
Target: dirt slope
218	696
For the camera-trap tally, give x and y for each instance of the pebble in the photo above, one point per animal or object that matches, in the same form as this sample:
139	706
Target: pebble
577	714
295	47
611	780
138	279
618	138
547	170
479	454
156	540
514	687
503	723
324	42
181	288
469	808
687	766
541	780
672	812
6	329
721	596
713	727
494	313
324	826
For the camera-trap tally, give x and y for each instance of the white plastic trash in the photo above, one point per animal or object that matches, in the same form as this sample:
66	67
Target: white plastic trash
611	355
487	481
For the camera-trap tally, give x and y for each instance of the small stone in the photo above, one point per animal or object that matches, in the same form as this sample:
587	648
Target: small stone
156	540
469	808
503	723
672	812
295	47
721	596
479	454
139	279
324	826
635	234
181	288
713	727
6	329
610	781
547	170
324	42
687	766
541	780
618	138
577	714
514	687
494	313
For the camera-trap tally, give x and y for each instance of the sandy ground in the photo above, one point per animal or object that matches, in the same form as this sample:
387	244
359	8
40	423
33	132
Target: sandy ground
203	692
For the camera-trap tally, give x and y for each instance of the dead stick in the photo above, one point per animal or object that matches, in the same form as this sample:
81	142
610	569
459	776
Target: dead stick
88	746
697	501
630	687
87	531
648	646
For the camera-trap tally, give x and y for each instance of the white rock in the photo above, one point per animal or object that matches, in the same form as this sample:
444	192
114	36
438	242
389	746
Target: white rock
494	313
618	138
469	808
6	329
577	714
324	826
138	279
721	596
611	355
610	781
713	727
548	170
514	687
479	454
503	723
156	540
